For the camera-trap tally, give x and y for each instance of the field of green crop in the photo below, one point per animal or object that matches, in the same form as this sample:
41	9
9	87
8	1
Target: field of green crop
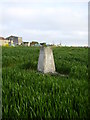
28	94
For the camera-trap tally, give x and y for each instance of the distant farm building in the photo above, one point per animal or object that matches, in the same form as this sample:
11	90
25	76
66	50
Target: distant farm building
14	40
3	41
26	43
43	44
34	43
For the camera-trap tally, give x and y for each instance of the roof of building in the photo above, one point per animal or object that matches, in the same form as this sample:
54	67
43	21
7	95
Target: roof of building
2	38
42	43
34	42
26	42
12	36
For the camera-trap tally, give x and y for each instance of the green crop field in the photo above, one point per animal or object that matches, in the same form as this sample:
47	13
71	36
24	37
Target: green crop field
28	94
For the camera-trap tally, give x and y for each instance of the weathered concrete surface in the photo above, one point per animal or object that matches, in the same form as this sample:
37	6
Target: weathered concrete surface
46	60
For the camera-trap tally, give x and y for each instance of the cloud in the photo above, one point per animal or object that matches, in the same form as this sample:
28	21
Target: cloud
46	22
42	1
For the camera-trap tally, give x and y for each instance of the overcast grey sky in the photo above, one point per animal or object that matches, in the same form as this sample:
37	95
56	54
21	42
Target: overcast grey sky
51	21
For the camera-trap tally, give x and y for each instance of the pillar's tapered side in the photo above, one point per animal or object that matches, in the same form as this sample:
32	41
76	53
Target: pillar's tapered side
41	60
46	60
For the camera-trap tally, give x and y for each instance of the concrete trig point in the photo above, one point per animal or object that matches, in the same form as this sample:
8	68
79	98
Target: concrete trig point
46	60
